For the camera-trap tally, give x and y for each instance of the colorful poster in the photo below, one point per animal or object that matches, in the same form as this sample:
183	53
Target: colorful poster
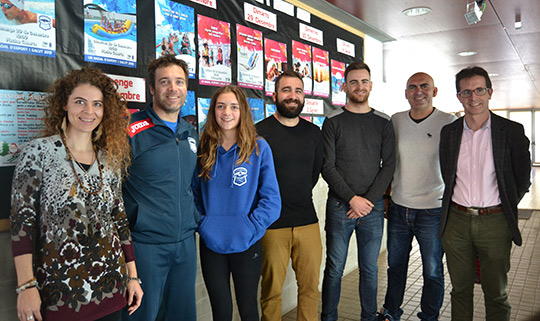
203	104
250	51
275	63
321	74
339	97
318	120
28	28
189	105
257	109
175	32
110	32
214	51
301	59
21	115
270	109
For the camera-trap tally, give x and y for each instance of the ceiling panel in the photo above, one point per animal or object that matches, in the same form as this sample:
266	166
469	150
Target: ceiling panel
431	43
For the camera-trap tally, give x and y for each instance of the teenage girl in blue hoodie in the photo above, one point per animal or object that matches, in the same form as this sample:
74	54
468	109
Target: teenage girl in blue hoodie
237	194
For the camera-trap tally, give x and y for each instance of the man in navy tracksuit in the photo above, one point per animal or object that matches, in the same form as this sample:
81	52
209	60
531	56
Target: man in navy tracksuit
158	197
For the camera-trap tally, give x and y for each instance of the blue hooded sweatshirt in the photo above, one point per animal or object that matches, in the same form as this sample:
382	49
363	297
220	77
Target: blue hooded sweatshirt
238	202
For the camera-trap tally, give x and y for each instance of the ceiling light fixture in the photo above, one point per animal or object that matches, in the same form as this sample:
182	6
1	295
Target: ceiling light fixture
517	24
467	53
416	11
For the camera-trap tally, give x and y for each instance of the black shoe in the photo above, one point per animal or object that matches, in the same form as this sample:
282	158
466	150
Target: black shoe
384	316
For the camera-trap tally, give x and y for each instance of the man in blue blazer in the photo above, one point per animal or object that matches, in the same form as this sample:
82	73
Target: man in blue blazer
485	164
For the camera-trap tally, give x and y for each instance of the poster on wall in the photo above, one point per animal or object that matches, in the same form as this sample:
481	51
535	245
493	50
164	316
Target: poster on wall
321	74
175	32
339	97
28	28
21	114
275	63
110	32
270	109
214	51
250	51
203	104
257	109
301	60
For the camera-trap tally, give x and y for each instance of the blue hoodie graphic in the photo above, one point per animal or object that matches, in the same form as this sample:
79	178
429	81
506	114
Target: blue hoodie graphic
238	202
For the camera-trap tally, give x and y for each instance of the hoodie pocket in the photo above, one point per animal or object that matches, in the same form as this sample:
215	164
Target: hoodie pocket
227	233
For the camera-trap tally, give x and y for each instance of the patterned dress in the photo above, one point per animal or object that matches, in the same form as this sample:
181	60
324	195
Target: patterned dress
79	241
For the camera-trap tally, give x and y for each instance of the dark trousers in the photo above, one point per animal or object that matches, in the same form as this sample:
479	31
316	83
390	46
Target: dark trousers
115	316
245	268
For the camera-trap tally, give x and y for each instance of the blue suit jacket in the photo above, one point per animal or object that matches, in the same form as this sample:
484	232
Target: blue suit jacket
512	166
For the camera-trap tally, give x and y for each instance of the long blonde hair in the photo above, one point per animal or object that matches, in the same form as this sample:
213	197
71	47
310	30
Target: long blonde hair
246	135
110	136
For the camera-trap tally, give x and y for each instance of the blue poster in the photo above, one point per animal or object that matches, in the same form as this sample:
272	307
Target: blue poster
202	111
257	109
175	32
110	32
28	27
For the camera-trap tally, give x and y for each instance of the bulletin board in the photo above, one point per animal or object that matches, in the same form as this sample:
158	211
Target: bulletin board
245	43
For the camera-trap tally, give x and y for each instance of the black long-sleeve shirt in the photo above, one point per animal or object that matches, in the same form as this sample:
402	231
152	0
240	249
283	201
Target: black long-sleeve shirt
359	154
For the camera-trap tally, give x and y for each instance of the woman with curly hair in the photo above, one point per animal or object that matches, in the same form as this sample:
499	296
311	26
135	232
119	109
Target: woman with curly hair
70	236
237	194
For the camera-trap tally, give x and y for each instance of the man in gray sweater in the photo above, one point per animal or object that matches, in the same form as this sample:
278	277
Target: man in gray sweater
417	190
358	166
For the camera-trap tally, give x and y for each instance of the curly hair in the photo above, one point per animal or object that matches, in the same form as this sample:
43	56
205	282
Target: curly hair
110	136
246	135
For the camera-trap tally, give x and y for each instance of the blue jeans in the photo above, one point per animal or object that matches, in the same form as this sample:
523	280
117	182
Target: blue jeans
404	224
339	228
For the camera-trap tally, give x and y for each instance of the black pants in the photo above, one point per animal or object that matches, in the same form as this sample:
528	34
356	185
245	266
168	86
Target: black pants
245	268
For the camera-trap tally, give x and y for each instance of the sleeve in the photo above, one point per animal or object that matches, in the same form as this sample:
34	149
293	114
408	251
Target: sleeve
335	181
197	194
268	206
120	219
318	159
521	161
25	199
388	157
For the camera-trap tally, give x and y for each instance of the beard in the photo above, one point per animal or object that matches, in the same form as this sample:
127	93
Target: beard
168	107
289	112
357	99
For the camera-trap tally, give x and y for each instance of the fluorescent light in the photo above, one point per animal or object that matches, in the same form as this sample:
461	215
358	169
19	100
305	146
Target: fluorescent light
467	53
416	11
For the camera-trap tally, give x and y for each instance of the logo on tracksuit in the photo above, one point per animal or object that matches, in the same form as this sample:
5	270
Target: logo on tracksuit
139	126
240	176
192	144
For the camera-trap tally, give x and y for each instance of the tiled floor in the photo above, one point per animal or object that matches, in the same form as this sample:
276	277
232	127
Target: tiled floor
523	278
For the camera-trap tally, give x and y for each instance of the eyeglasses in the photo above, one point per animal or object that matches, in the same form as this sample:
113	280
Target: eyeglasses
468	93
7	6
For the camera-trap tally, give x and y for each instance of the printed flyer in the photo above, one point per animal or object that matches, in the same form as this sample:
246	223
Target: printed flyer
250	51
21	114
270	109
319	121
275	63
110	32
301	60
321	74
203	104
214	51
257	109
339	97
175	32
28	28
